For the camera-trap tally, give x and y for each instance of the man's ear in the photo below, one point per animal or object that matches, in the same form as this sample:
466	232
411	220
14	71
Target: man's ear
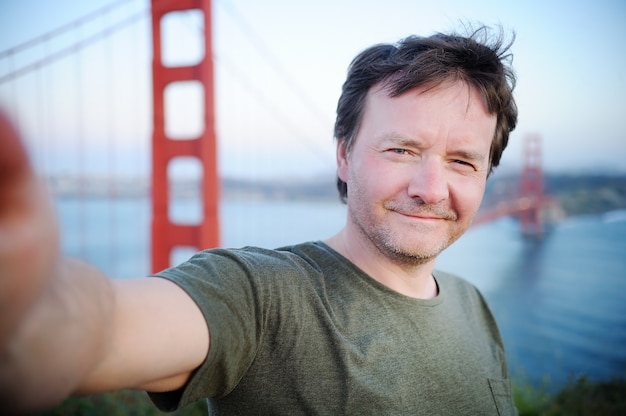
342	160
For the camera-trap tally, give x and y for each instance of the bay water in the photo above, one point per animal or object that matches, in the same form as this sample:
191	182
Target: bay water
560	301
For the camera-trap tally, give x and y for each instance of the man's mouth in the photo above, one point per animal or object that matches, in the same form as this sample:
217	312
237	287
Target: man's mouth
423	212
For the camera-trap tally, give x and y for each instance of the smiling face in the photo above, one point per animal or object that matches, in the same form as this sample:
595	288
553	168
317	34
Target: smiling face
417	170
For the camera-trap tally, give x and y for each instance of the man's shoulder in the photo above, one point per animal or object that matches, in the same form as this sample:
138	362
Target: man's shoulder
316	253
307	247
256	254
453	283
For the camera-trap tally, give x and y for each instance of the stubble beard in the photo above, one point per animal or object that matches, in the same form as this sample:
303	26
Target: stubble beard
392	243
386	242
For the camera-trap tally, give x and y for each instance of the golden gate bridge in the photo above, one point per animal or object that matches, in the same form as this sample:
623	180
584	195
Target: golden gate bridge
529	202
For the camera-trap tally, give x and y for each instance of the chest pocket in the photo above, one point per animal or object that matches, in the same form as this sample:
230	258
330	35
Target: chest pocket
501	391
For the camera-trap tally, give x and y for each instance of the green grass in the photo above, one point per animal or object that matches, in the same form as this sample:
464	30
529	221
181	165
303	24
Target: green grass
580	397
119	403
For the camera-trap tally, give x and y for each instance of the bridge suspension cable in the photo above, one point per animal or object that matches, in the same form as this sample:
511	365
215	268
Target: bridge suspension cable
283	74
64	28
275	63
73	48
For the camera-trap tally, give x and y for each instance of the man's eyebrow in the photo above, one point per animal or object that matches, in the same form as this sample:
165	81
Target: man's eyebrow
400	140
468	155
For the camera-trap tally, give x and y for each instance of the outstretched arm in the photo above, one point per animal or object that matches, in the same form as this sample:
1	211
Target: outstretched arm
64	327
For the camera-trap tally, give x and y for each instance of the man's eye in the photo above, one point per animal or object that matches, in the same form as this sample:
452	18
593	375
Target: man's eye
399	151
463	163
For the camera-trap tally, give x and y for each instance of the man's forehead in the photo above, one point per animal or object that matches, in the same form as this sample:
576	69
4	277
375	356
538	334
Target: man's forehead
387	90
475	100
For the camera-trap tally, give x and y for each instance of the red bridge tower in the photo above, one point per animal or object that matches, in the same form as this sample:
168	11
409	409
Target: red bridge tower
166	234
531	188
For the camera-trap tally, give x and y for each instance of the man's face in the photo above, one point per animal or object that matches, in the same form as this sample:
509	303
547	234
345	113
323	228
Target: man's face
417	170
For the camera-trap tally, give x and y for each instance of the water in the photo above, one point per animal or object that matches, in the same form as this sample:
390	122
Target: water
560	301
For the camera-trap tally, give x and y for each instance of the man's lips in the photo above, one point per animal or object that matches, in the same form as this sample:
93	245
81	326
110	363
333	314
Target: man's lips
422	212
420	216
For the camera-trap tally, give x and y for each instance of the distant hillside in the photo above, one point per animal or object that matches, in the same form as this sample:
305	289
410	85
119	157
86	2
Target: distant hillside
319	188
105	187
577	194
588	194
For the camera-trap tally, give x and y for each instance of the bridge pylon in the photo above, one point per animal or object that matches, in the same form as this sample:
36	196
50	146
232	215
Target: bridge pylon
166	234
531	188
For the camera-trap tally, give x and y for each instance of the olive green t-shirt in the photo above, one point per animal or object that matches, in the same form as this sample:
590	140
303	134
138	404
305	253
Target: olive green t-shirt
301	330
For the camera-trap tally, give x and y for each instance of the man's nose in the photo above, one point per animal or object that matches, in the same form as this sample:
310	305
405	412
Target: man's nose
429	181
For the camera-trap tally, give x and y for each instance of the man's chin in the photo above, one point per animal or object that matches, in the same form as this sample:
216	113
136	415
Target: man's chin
415	254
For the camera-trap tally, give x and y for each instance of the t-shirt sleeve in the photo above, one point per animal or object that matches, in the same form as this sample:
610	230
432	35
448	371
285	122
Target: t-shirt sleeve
225	284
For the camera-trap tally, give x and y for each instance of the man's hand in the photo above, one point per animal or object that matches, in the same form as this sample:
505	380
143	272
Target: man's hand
52	327
28	233
67	328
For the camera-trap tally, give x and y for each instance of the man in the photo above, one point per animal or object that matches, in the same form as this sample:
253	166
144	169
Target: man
358	324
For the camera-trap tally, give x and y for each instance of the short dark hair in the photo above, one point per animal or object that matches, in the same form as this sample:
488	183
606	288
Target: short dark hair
480	60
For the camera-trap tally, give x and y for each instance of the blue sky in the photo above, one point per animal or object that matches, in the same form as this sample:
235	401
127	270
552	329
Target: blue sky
568	57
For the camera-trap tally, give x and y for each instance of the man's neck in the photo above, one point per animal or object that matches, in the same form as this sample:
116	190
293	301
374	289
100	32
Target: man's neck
412	280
